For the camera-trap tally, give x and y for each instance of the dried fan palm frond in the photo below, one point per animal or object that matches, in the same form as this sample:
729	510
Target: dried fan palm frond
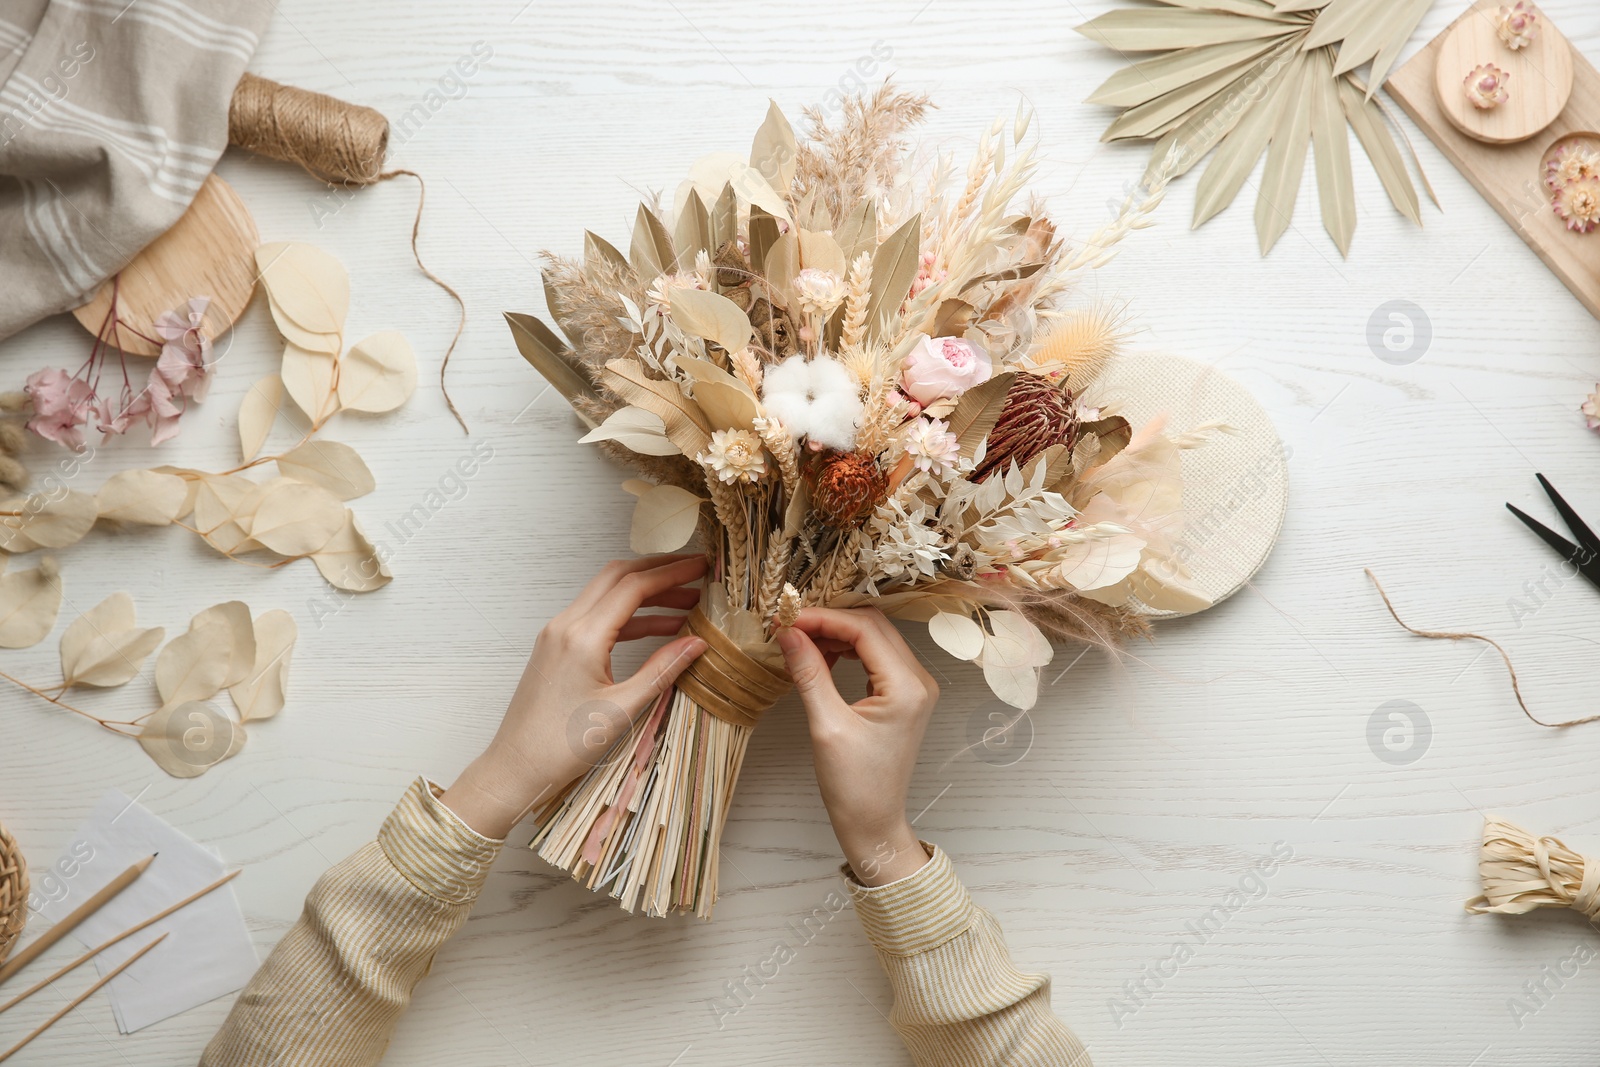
1245	78
839	165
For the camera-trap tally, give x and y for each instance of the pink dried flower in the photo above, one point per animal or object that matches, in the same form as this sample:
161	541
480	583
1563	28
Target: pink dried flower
62	406
1591	408
928	273
1486	86
1578	203
1517	26
1570	163
940	367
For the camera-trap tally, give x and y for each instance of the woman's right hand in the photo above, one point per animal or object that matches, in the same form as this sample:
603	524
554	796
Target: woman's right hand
864	752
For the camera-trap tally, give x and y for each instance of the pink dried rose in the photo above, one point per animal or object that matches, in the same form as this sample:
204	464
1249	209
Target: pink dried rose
1486	86
1578	204
1591	408
940	367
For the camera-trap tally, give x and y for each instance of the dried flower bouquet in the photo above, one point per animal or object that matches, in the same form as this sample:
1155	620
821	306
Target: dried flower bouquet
859	385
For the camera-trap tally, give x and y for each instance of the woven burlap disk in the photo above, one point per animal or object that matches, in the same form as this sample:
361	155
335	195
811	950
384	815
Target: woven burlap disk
1236	487
13	892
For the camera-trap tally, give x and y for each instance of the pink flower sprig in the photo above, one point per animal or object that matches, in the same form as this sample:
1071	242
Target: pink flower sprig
1591	409
65	405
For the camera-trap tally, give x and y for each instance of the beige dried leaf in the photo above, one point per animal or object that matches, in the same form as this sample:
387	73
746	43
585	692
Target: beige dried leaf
296	519
350	562
712	316
144	497
257	413
234	617
636	429
223	506
261	693
306	285
104	647
188	739
726	402
29	603
958	635
664	520
334	466
42	521
194	664
308	377
774	154
191	482
378	374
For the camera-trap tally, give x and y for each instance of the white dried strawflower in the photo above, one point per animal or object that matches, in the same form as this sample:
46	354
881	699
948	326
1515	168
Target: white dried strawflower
816	399
820	291
661	290
735	456
932	446
1517	25
1486	86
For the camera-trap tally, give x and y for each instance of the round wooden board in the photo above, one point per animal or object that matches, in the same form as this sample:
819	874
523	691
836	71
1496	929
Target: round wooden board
1540	84
210	251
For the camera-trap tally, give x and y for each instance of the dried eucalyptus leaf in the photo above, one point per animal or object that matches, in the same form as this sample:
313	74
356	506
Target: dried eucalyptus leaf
350	562
29	603
639	430
958	635
726	401
306	284
104	647
46	521
191	482
190	738
194	664
257	412
308	378
223	507
664	520
261	693
331	464
296	519
234	617
378	374
146	498
713	317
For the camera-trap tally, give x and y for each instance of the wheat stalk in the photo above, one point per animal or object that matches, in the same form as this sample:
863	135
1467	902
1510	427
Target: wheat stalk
855	306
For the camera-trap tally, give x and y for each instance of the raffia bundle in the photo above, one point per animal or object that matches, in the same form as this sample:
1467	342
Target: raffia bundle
13	892
1522	872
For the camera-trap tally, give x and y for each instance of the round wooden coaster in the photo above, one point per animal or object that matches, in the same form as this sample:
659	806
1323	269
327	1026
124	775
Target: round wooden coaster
1540	84
210	251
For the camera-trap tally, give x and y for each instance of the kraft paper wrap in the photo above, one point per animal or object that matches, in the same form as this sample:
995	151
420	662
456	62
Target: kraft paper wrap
741	674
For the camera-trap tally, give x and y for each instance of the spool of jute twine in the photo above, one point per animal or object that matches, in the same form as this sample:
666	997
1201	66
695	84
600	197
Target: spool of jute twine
13	892
725	681
334	141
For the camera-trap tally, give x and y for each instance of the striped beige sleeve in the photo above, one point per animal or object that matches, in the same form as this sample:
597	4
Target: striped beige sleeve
958	999
334	987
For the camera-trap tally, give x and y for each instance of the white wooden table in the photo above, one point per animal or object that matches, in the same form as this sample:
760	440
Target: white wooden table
1149	789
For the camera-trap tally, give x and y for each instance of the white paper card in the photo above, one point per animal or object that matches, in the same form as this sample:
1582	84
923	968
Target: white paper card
208	953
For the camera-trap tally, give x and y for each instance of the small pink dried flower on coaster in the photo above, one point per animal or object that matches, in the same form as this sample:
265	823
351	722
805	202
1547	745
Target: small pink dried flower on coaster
1591	408
1518	25
1578	203
735	456
1486	86
1570	163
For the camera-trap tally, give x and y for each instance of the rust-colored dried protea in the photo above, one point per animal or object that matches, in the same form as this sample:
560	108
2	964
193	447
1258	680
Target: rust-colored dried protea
1038	414
845	486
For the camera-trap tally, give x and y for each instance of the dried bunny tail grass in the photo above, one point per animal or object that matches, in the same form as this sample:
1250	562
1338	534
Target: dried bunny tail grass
839	165
1082	344
855	304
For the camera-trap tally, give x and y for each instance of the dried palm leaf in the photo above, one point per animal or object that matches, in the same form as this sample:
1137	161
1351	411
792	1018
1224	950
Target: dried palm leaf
1238	78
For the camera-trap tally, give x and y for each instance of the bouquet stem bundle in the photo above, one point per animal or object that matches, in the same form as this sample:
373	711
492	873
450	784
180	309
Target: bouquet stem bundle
645	824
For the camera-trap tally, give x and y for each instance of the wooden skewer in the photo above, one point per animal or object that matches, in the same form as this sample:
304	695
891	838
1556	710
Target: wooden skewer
80	913
85	995
129	932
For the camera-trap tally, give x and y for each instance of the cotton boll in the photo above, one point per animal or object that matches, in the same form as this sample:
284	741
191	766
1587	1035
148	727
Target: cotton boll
818	400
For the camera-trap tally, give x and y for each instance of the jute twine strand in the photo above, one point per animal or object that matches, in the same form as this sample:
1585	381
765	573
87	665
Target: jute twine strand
725	681
13	892
1521	872
1440	635
336	142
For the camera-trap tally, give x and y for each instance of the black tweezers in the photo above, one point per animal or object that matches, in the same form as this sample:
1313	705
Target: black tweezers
1585	555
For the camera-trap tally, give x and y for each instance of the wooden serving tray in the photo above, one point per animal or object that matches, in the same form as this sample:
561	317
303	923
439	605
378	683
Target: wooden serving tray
1511	176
